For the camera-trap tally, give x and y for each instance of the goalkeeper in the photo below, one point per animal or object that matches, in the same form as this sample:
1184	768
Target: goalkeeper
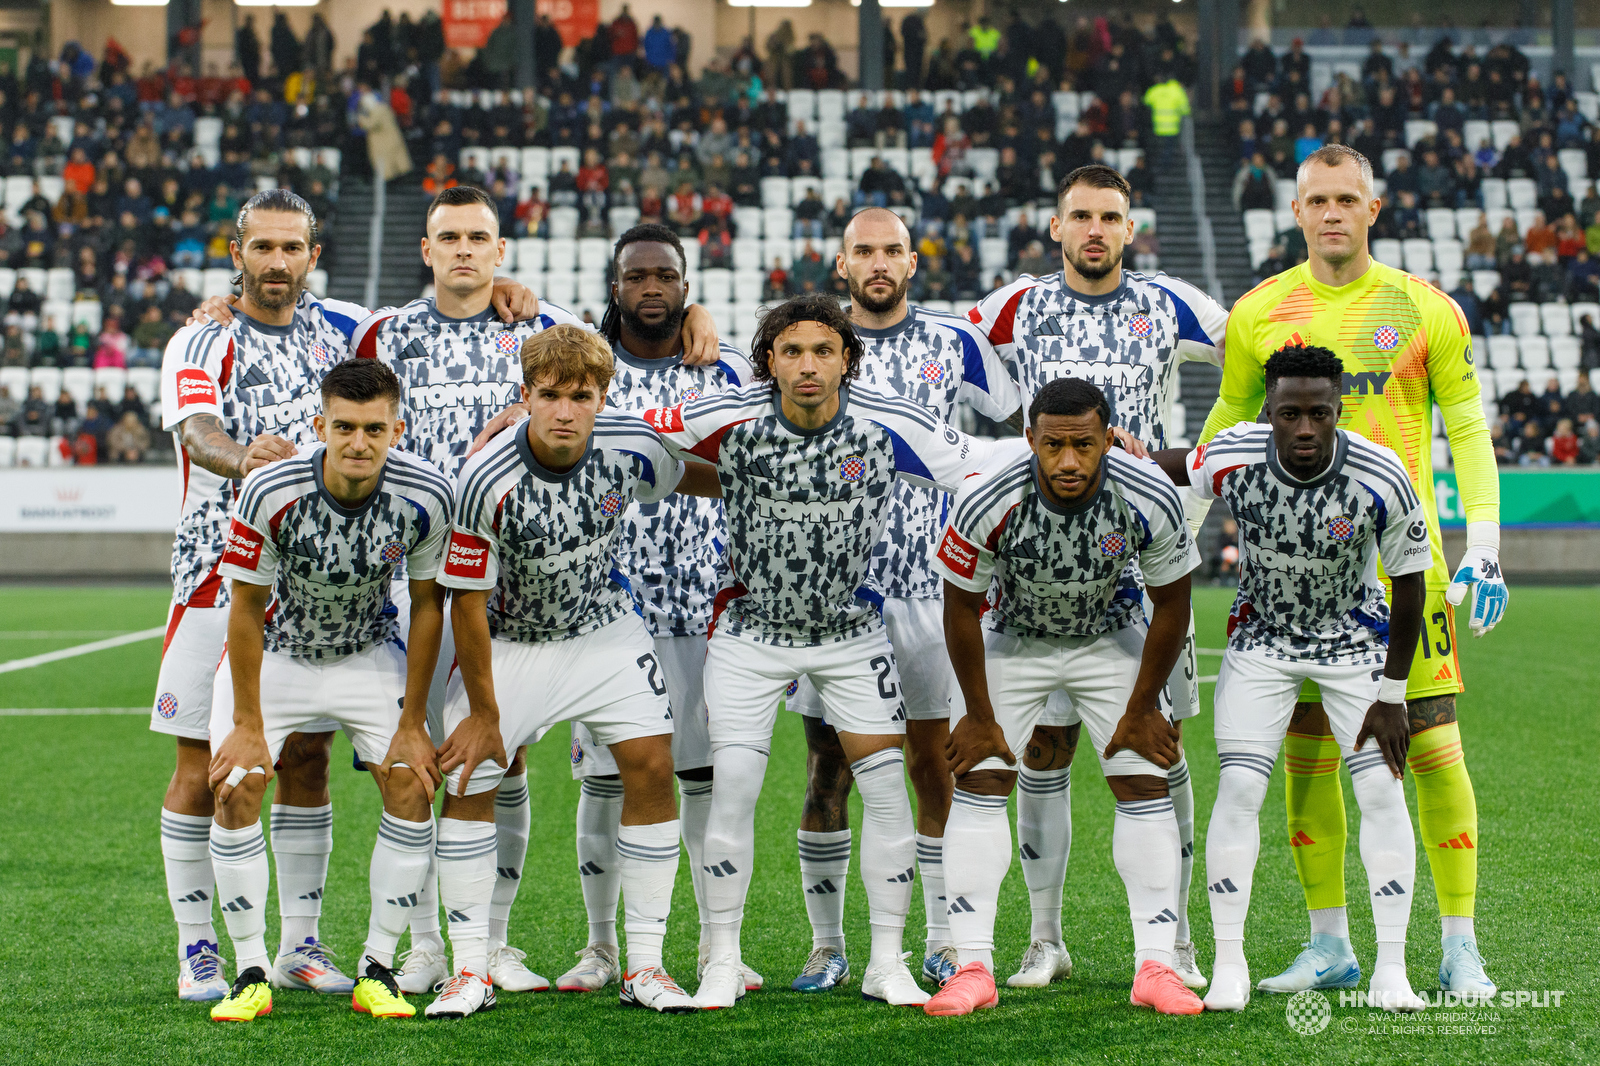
1406	348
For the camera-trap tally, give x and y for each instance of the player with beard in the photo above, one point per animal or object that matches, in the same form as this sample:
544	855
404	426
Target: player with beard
669	556
237	396
936	360
1126	332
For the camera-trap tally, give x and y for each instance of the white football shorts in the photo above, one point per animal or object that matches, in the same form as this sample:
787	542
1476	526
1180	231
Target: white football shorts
359	693
609	680
1183	686
400	596
927	681
194	643
856	680
1097	676
1256	694
683	663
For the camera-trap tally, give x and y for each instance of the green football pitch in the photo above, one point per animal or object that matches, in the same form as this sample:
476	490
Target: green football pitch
87	958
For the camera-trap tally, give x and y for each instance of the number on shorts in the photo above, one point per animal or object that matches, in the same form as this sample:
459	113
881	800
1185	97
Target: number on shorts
1442	620
886	688
648	663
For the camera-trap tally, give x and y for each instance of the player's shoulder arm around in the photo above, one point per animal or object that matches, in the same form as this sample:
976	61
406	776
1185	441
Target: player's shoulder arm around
996	313
736	369
1201	320
366	334
554	315
343	315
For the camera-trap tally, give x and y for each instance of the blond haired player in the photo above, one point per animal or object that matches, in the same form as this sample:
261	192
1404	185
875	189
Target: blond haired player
1406	348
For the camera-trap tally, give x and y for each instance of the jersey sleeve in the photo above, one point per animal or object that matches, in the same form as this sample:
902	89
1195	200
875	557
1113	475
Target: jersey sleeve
985	381
735	365
663	469
1403	543
1206	466
194	367
552	315
693	431
1244	375
996	315
344	316
249	552
364	336
1169	552
1453	380
963	557
427	554
1200	473
1202	323
472	556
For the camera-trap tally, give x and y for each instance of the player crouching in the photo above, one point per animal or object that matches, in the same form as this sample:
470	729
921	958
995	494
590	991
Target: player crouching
1056	523
544	636
1318	508
318	536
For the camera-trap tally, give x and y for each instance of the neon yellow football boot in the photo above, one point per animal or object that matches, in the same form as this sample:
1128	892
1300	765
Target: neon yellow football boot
249	998
377	993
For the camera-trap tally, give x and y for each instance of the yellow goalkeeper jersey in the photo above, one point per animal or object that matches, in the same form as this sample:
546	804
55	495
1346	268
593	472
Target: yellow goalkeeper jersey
1405	346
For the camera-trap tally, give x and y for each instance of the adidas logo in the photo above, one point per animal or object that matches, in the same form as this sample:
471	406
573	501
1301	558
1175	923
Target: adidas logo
197	896
409	900
1391	889
1028	852
899	714
591	867
1162	918
822	888
1462	841
1186	851
315	893
238	905
455	916
1445	673
1223	887
508	873
721	869
1300	840
904	878
960	906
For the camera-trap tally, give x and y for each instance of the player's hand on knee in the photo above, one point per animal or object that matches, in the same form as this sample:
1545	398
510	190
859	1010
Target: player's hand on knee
266	448
413	748
699	337
1387	724
1145	733
496	424
244	750
474	741
973	741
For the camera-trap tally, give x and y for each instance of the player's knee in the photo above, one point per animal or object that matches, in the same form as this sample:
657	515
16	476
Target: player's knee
404	797
987	782
1052	746
243	804
304	761
1130	788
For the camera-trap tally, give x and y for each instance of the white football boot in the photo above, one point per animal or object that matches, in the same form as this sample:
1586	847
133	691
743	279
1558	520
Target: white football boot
597	967
722	985
465	993
422	970
654	988
510	973
200	978
892	983
1183	962
309	967
1042	963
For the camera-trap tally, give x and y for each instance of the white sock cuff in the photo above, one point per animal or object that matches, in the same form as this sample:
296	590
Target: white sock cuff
602	788
402	835
1234	755
889	759
513	791
1151	810
930	850
1044	782
302	830
459	839
237	845
649	843
1178	775
185	837
824	847
1370	757
981	805
694	788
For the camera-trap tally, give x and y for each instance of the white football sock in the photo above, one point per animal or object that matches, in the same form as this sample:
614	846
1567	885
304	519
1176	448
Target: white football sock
1456	925
1233	838
599	875
888	849
694	807
186	854
239	858
511	825
824	870
401	857
731	842
466	885
1388	845
649	863
1182	793
977	837
1332	921
425	917
1044	839
302	840
1144	847
930	867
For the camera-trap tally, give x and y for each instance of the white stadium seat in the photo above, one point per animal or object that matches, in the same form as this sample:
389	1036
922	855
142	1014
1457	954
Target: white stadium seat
1555	319
1524	319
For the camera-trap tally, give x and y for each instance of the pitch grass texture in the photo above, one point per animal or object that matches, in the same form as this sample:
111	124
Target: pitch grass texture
87	970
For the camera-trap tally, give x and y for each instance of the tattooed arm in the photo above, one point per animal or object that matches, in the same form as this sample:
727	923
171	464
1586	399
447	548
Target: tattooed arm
208	445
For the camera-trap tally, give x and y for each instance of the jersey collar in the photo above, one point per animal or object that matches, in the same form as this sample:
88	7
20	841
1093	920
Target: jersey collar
486	315
1341	448
1077	508
327	497
263	327
1330	292
632	360
538	469
777	409
889	331
1103	300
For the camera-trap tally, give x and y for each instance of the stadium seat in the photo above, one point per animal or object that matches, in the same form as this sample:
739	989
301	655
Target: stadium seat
836	164
1466	220
1283	220
1535	353
1555	319
802	104
1474	132
1258	225
1502	352
192	278
15	380
57	452
8	452
799	186
1449	279
1588	104
777	222
593	292
564	222
38	279
722	315
51	186
622	219
594	253
1126	157
1388	252
1497	216
1507	380
1575	163
508	155
533	279
747	254
1485	282
317	282
1480	348
780	248
1581	309
747	223
860	160
992	253
716	286
747	286
1522	194
1144	219
530	254
1417	254
561	288
1566	353
89	312
1284	194
1391	158
535	163
216	282
146	381
475	159
1441	222
775	191
561	255
1524	217
1493	191
1260	248
924	171
1524	319
1417	129
114	379
985	162
1448	255
1502	130
835	189
208	131
31	451
950	99
566	154
78	381
1568	380
1441	453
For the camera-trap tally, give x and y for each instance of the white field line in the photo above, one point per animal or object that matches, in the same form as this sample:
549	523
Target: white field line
30	712
82	649
57	634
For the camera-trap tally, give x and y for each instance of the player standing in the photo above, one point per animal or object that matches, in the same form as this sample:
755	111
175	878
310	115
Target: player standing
236	396
806	464
459	366
934	360
1056	524
1318	508
544	636
1406	348
1126	332
312	542
669	555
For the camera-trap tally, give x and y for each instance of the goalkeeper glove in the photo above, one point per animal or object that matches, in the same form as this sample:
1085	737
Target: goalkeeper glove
1479	573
